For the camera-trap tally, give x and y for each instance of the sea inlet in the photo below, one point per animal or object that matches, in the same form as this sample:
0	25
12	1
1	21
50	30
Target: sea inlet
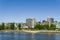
28	36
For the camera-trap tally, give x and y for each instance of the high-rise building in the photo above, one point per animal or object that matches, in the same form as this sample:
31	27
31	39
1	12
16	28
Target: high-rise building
30	22
50	20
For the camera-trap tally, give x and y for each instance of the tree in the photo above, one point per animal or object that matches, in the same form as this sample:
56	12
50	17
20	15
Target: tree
46	27
52	27
19	26
7	27
39	27
2	26
12	26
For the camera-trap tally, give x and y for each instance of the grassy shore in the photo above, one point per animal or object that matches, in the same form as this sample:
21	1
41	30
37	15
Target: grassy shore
32	31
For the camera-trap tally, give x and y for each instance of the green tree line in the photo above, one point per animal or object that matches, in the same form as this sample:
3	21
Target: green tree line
45	27
10	26
37	27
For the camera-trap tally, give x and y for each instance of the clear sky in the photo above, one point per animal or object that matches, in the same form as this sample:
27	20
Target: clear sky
19	10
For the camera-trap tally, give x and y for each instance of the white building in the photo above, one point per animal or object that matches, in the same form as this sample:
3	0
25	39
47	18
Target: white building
55	22
58	25
30	22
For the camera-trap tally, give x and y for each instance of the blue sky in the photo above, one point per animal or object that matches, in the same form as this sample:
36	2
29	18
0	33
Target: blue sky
19	10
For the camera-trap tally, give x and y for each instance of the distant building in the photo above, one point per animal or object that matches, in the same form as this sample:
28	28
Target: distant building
58	25
39	22
1	24
44	22
7	24
55	22
23	25
30	22
50	20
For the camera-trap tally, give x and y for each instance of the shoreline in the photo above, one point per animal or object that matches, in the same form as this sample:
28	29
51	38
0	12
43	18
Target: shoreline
32	31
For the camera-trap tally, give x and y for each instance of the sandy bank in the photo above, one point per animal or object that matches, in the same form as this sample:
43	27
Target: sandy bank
31	31
41	31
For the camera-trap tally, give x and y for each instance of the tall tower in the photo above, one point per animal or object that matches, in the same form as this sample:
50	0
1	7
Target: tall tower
30	22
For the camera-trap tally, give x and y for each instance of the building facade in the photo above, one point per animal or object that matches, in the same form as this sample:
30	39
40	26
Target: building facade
44	22
30	22
23	25
50	21
58	25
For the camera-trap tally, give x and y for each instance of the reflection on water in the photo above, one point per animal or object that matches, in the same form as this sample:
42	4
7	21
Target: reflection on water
57	37
28	36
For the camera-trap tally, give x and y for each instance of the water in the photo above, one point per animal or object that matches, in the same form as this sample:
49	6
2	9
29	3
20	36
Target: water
28	36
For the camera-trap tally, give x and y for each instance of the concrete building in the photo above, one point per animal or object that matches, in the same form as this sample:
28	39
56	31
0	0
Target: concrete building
30	22
23	25
39	22
58	25
44	22
55	22
50	20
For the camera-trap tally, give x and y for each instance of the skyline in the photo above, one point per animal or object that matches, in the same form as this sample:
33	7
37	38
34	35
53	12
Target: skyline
19	10
32	18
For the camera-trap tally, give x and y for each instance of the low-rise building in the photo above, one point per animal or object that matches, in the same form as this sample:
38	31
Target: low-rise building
44	22
23	25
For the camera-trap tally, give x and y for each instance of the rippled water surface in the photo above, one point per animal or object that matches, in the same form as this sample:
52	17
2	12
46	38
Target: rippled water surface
28	36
